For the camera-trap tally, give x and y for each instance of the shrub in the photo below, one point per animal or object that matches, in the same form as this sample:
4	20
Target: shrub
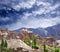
10	49
27	41
44	47
2	43
56	50
34	43
35	46
5	44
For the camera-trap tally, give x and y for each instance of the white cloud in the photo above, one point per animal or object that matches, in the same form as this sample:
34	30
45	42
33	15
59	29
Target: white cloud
38	3
35	23
4	19
17	4
47	8
43	22
31	20
39	12
27	4
52	8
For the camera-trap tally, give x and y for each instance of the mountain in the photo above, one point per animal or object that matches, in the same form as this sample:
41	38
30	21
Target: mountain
39	31
7	11
54	31
50	31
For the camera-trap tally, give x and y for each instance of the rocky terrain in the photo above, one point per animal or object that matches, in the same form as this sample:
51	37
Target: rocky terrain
16	40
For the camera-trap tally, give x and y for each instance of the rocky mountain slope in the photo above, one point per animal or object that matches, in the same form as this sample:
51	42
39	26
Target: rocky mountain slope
22	34
44	32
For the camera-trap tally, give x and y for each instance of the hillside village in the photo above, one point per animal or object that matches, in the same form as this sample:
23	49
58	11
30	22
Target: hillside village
15	40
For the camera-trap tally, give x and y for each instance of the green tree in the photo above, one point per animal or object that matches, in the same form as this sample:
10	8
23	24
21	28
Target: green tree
10	49
5	44
34	42
56	50
3	47
2	43
27	40
55	47
44	47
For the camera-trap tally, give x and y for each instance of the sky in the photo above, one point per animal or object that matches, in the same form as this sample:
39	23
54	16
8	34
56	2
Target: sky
15	14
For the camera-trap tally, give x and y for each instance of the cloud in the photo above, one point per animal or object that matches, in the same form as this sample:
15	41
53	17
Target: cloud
27	4
4	19
32	14
46	8
35	23
17	5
